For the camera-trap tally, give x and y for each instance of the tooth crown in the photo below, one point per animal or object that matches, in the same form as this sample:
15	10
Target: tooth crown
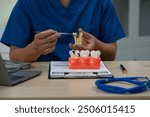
95	54
85	54
86	60
78	38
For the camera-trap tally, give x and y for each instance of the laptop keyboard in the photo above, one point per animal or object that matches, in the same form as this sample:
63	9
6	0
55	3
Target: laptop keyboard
13	66
14	78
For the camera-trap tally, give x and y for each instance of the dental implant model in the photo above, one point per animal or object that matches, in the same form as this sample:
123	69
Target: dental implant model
78	38
84	59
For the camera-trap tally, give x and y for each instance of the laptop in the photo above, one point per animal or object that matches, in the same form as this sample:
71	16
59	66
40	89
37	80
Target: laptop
16	77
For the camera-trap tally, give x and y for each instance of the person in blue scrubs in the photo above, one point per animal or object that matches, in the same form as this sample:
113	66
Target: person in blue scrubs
95	18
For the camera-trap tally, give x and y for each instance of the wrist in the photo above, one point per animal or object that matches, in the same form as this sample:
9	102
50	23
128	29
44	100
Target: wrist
33	50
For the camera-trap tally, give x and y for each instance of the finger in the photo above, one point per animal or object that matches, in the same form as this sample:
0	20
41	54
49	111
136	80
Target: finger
45	34
80	30
53	37
85	40
77	47
82	47
85	34
42	48
72	46
49	39
49	45
49	50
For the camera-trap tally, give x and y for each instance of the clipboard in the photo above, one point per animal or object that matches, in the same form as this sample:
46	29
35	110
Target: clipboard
60	70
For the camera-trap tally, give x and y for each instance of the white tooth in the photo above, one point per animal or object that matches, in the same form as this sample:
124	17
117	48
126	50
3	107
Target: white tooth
83	54
87	53
93	53
77	53
74	34
97	54
72	54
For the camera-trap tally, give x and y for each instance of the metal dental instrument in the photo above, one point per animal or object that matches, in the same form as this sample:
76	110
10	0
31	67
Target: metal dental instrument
62	33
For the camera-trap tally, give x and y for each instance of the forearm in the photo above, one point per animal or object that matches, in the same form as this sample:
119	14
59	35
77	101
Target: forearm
43	44
27	54
108	50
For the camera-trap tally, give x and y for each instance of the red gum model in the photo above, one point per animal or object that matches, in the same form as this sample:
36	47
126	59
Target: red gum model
84	63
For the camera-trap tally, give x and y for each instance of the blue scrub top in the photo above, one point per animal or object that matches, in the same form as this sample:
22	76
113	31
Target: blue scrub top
97	17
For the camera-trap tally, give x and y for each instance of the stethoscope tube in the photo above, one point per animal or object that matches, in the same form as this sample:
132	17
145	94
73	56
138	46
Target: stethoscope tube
141	86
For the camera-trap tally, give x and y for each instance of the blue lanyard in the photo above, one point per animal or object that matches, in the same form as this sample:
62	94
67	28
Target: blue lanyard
141	86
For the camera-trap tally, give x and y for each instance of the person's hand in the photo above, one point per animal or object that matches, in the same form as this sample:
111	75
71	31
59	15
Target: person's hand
45	42
88	42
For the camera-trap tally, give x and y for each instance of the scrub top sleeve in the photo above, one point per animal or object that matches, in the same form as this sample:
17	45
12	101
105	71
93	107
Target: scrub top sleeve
18	29
111	29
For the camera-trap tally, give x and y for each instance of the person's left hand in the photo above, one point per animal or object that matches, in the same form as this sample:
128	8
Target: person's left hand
88	42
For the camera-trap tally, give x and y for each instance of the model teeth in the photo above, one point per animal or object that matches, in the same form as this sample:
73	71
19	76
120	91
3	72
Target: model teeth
71	54
77	53
74	54
95	54
78	38
85	53
75	35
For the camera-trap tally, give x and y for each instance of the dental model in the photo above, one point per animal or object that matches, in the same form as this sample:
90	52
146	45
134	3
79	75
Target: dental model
84	59
77	53
95	54
85	53
78	38
74	54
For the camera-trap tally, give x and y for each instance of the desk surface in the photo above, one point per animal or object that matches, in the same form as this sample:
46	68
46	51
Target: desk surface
43	88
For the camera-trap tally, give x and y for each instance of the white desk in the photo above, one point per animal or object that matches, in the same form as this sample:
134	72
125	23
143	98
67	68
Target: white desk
43	88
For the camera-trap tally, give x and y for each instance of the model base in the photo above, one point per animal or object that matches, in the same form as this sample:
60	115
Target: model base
84	63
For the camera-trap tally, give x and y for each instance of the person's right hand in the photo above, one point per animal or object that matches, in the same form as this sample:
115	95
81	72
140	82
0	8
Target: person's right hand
45	42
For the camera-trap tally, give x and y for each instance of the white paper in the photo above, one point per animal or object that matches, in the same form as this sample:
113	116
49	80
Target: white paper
61	69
